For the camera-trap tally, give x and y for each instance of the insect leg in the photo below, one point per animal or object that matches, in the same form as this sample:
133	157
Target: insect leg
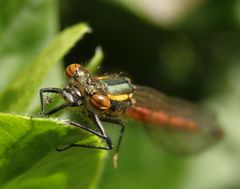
47	90
94	117
97	133
56	109
120	123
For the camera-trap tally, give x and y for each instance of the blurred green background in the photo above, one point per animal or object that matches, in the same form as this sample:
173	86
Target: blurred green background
188	49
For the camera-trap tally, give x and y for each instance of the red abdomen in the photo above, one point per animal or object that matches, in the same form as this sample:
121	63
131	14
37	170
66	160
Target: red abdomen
160	119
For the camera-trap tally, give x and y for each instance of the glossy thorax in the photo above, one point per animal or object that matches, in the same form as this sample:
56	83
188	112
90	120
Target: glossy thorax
106	95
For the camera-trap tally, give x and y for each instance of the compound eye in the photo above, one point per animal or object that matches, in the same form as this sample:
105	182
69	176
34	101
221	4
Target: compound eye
71	70
101	102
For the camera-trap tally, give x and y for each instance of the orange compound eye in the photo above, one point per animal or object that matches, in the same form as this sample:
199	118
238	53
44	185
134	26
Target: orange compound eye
71	70
101	102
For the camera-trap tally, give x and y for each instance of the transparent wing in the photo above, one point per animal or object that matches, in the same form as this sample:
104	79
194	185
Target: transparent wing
180	126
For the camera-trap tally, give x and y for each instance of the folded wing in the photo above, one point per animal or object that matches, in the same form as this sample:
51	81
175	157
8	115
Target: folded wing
179	126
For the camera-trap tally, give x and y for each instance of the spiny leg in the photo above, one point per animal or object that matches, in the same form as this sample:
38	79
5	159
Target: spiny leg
97	133
97	122
48	90
58	108
120	123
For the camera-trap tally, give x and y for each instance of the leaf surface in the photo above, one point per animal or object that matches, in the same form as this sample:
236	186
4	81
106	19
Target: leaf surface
28	158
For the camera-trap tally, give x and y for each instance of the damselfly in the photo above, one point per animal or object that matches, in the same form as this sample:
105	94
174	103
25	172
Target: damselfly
178	125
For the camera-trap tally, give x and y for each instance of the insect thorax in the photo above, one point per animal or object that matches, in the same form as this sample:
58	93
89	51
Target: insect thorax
86	89
120	92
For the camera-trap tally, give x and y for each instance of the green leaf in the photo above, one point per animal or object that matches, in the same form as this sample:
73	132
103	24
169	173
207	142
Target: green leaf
95	61
25	28
28	158
17	97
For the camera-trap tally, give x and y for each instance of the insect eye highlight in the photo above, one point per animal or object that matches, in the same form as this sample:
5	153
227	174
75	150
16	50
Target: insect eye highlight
101	102
71	70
